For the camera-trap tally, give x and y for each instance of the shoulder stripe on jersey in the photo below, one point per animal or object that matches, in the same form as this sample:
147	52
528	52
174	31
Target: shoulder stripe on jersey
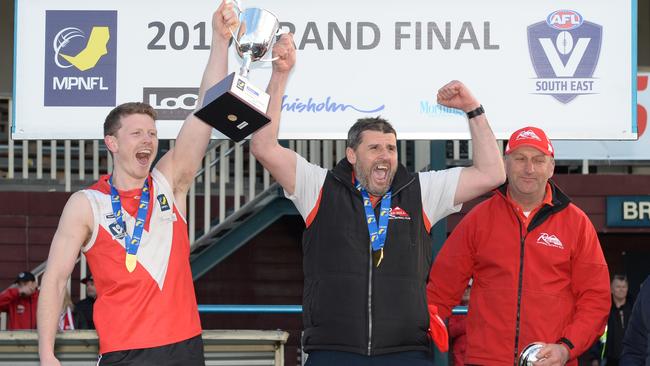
427	223
314	211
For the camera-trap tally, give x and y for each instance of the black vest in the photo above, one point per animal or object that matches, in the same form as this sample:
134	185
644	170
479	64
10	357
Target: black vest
348	304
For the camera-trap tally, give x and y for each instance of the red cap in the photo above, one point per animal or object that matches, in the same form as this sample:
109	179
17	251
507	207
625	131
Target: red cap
530	136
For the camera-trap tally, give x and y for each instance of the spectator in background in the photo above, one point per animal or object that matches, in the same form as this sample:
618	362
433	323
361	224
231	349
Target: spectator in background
66	321
83	310
619	316
457	331
20	301
636	349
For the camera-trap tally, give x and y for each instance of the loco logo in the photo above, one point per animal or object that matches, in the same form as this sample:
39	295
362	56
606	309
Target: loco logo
564	51
80	58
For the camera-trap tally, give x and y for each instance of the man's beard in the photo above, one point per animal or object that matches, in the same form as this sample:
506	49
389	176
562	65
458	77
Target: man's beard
362	177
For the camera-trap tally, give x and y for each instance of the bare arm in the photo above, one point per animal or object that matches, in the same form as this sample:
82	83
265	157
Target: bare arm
181	163
279	161
487	171
73	231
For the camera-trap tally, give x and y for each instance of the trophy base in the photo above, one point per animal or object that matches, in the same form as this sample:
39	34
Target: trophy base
234	107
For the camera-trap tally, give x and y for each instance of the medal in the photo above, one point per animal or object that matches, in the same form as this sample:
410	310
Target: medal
377	227
377	257
131	243
131	261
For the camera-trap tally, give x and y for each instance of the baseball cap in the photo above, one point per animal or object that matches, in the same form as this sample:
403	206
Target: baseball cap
25	277
530	136
86	279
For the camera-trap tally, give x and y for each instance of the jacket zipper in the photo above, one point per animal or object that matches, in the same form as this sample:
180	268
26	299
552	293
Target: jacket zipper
519	289
369	351
369	300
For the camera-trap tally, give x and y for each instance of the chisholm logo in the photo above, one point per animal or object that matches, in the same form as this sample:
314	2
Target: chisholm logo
320	106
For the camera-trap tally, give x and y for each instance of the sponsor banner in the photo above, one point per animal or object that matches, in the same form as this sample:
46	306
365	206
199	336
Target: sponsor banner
615	150
628	211
570	70
75	42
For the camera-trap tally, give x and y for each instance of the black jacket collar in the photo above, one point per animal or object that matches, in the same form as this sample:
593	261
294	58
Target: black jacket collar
559	199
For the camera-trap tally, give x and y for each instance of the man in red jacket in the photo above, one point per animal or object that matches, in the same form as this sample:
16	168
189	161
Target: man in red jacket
19	301
538	269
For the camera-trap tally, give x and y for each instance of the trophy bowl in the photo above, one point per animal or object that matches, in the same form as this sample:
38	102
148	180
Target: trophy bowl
529	354
234	106
257	29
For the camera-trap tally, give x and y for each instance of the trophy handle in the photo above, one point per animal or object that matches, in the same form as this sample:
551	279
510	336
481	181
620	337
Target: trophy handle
279	33
237	7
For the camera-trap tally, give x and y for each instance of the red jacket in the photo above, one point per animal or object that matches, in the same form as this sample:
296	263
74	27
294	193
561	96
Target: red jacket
542	280
21	309
458	338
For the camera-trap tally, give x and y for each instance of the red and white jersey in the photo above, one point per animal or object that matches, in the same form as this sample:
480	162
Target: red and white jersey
155	304
66	322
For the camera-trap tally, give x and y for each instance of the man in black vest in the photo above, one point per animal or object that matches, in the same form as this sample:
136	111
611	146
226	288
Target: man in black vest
367	245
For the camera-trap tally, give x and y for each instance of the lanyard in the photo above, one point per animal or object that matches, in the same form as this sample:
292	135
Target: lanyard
377	232
131	243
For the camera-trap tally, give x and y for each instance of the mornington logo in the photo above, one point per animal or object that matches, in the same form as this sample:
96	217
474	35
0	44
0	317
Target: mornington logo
322	106
80	58
564	50
549	240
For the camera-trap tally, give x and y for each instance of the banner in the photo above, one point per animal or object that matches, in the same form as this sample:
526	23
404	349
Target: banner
570	70
615	150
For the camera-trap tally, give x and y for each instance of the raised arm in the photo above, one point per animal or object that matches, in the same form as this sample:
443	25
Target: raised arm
487	171
181	163
73	231
279	161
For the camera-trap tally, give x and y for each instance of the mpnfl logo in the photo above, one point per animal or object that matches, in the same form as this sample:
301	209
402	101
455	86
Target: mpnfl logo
564	51
171	103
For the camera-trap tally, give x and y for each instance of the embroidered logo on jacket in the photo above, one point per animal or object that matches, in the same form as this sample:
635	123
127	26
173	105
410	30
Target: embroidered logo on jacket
398	213
549	240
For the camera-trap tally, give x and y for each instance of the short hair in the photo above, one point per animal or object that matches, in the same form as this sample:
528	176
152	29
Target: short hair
113	123
620	277
367	124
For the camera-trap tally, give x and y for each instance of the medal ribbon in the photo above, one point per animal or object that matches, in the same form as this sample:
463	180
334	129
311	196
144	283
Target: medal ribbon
377	232
131	243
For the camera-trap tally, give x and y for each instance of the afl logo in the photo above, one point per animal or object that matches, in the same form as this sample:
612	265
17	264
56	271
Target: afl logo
564	19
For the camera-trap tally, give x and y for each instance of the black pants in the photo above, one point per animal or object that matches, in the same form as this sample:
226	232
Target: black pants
184	353
330	358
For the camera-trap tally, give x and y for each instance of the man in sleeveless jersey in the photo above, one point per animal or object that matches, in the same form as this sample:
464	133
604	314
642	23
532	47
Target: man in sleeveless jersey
131	227
362	303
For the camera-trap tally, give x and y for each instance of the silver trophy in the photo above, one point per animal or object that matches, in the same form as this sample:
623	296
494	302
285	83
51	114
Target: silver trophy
529	354
236	107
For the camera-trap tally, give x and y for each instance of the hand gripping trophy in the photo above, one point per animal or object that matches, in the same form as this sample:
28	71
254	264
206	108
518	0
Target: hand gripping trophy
234	106
528	356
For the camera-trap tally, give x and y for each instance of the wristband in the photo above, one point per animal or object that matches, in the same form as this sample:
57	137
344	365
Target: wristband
476	112
566	342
